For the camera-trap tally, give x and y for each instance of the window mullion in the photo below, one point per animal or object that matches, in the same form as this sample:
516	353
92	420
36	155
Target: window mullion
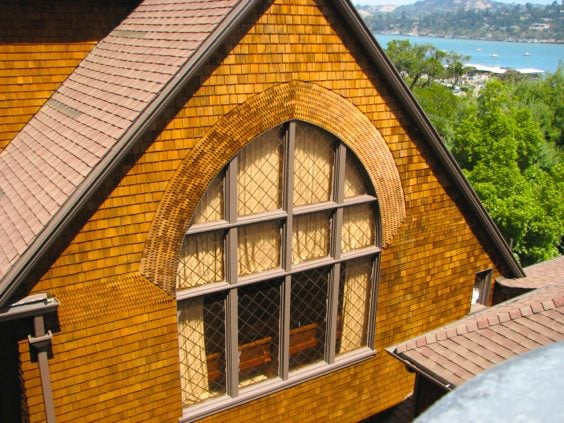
371	329
333	291
287	251
289	194
231	312
332	308
339	199
286	291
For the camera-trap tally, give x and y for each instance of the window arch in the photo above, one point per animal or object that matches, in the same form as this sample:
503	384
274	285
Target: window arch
277	274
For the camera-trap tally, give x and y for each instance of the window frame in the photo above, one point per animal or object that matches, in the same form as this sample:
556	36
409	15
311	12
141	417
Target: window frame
233	281
482	282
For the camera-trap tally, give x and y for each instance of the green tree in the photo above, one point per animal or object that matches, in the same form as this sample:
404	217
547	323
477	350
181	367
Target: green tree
498	144
414	61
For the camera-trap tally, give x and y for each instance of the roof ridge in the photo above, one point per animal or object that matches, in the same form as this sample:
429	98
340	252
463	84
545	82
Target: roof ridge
479	322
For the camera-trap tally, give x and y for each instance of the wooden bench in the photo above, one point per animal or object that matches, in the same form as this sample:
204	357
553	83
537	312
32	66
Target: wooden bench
251	355
258	353
303	338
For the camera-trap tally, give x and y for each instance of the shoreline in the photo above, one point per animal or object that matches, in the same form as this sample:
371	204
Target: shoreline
454	37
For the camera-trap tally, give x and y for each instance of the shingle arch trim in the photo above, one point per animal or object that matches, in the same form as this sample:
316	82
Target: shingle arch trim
293	100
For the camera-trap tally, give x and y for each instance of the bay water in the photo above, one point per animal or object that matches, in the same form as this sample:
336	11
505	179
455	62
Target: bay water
519	56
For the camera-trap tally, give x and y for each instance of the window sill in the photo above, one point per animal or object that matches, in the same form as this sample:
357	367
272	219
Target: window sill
265	388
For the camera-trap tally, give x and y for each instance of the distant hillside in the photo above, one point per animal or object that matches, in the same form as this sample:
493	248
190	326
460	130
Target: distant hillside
477	19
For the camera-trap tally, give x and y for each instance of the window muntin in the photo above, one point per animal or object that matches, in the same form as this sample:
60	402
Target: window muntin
289	299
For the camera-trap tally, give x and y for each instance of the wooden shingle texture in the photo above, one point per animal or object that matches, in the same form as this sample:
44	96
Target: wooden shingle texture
427	270
420	287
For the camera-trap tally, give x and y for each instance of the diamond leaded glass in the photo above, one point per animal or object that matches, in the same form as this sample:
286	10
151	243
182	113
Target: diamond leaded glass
259	176
308	314
211	206
313	165
259	310
354	300
201	260
240	252
354	182
358	227
259	248
310	237
201	348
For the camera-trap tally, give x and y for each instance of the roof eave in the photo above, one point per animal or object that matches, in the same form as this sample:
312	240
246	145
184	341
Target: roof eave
422	370
23	268
423	124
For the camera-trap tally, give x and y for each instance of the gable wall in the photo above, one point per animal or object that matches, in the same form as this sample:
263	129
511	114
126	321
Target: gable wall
41	43
426	278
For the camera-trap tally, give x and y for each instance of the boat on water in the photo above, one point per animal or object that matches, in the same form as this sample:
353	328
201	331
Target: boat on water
526	53
494	55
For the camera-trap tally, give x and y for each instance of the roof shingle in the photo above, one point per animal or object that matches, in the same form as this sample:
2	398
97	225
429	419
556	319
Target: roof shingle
469	346
45	163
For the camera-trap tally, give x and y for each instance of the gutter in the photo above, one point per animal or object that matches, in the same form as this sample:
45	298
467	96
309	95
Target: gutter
41	246
424	125
37	306
422	370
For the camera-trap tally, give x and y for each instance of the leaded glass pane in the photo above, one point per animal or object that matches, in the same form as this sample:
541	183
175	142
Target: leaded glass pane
259	247
211	206
358	229
354	182
201	334
201	260
314	157
308	316
354	300
310	237
259	177
259	311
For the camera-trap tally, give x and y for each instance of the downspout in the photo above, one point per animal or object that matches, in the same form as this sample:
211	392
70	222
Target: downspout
37	306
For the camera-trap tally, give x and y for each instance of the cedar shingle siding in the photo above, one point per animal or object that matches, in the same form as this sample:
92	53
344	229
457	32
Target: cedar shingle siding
116	352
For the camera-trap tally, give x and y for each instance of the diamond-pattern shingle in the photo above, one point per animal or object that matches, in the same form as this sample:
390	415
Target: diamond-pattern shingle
86	117
465	348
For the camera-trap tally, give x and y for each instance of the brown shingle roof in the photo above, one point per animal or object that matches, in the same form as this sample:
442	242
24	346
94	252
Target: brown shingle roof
93	110
456	353
538	275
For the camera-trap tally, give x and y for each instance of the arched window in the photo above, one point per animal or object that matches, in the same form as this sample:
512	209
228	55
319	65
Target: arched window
277	274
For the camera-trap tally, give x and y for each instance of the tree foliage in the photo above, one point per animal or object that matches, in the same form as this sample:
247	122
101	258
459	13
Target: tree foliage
499	145
423	64
508	140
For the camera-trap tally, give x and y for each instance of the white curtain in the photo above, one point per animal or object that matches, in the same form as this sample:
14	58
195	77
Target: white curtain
259	248
193	364
313	166
259	175
355	303
354	183
201	260
358	228
310	237
210	208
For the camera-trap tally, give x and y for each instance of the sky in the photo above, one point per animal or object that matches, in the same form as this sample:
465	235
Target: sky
397	2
